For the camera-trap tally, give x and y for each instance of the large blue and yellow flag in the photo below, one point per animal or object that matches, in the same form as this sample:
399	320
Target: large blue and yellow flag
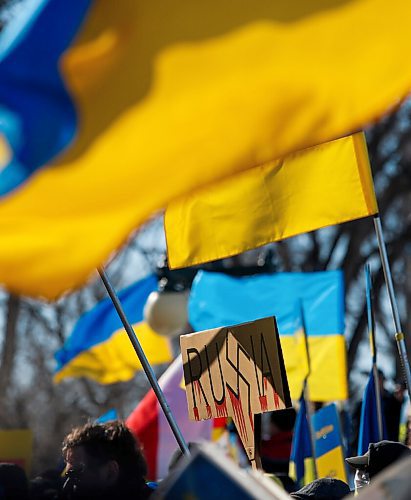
369	429
301	467
329	453
99	347
217	300
114	111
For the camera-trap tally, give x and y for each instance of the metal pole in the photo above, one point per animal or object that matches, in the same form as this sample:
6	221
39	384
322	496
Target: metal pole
399	335
369	292
145	364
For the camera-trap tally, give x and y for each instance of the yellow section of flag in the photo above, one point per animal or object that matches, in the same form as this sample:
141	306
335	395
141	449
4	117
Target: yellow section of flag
16	446
332	464
173	95
328	379
115	359
309	471
317	187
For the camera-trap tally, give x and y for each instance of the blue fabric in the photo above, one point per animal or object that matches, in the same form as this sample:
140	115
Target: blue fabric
369	420
220	300
326	426
108	416
97	325
37	115
205	478
301	447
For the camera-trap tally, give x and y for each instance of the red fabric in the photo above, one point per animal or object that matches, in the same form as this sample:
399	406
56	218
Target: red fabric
278	446
143	423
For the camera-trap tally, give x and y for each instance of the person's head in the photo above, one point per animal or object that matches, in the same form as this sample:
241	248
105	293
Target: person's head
326	488
101	456
13	482
379	456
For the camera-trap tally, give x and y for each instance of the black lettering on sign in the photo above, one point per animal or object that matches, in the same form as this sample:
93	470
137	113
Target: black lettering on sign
195	378
266	370
216	400
236	368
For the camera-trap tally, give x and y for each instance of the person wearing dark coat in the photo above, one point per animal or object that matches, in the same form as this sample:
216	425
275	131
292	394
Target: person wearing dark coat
104	461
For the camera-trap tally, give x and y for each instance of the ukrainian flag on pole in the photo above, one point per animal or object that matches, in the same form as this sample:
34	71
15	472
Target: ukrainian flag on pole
329	453
99	347
301	457
111	110
302	192
217	300
368	432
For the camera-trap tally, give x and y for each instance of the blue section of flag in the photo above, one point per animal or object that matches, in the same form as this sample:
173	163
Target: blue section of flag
369	419
301	447
326	426
220	300
108	416
97	325
40	118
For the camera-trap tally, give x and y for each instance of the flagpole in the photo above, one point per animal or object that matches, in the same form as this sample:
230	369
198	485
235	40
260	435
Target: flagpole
399	335
369	292
145	363
306	390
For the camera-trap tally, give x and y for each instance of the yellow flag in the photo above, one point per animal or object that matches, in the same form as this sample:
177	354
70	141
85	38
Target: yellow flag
16	446
171	95
317	187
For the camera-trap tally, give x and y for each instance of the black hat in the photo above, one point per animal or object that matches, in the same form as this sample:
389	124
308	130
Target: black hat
379	456
324	488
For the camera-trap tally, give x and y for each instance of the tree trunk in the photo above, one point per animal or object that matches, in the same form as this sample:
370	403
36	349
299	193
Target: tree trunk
9	344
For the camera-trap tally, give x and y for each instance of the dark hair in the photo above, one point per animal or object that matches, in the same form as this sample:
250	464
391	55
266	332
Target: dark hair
13	482
109	441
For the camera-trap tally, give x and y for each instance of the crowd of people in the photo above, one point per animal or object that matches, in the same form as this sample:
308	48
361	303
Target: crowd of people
104	461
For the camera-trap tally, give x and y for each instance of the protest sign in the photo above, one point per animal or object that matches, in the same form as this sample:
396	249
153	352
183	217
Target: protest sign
328	444
235	371
209	473
16	447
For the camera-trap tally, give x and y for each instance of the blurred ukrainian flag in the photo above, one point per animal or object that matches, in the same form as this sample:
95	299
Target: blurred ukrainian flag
115	109
218	300
301	468
329	452
100	349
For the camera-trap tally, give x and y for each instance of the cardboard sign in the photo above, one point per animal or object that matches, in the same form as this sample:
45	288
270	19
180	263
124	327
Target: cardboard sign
235	371
329	454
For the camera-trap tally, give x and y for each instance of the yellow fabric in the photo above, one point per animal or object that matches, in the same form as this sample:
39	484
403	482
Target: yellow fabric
306	191
300	353
174	94
115	360
331	464
328	379
16	446
309	474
